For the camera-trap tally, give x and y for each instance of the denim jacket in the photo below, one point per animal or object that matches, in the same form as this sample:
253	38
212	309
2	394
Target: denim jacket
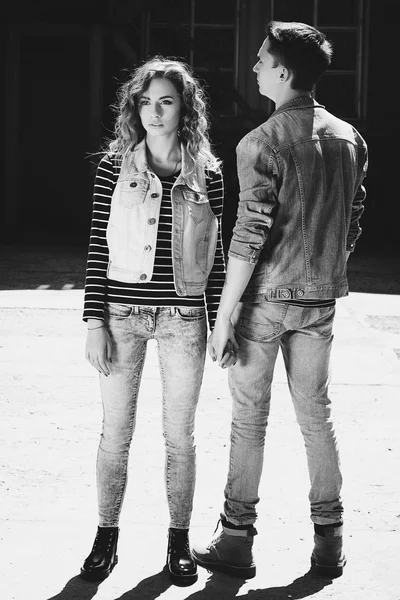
301	198
133	224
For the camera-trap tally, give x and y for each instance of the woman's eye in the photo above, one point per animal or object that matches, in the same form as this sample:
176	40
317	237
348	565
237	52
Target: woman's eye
143	102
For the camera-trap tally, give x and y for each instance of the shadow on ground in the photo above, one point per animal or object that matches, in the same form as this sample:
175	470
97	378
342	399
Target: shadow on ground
218	587
63	268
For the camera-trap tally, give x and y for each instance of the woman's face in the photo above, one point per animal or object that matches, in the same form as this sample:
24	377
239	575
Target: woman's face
160	108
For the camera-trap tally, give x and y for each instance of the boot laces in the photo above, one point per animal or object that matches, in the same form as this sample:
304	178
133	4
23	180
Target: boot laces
216	539
179	537
104	539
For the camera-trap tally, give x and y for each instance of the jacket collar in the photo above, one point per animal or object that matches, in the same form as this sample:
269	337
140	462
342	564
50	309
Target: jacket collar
191	174
296	103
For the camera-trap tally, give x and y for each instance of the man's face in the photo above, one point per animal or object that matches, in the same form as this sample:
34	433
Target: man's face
268	72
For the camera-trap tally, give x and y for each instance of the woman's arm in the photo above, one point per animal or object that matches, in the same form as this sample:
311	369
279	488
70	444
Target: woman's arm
215	191
97	260
98	342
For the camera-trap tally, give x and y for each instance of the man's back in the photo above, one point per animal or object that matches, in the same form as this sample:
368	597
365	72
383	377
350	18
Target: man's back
312	164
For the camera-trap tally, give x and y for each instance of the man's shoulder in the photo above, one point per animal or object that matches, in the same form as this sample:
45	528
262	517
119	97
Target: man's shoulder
283	129
263	134
336	126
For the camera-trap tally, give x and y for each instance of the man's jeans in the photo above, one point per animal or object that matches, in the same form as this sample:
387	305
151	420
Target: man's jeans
305	337
181	335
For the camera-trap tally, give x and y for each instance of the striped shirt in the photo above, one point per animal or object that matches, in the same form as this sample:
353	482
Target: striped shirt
160	291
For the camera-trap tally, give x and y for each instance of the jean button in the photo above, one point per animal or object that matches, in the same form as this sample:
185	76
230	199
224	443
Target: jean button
151	221
154	195
285	294
133	184
300	293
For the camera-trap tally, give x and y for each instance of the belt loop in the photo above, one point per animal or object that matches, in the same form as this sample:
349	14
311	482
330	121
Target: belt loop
173	310
135	310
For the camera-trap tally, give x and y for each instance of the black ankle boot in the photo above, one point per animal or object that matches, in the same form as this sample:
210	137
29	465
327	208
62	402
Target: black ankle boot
103	556
182	569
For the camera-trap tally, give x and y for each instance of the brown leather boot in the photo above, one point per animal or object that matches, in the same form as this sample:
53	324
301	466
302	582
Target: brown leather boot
230	552
328	558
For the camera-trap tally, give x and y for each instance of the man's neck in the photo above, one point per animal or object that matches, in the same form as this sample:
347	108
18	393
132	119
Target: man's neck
288	94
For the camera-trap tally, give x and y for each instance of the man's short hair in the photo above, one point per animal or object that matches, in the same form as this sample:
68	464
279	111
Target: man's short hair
300	48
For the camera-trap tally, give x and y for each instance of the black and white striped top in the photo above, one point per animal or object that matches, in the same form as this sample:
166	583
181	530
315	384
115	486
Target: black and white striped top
160	290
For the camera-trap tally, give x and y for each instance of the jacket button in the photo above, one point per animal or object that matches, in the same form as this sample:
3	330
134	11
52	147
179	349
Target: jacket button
143	277
133	184
147	248
154	195
151	221
300	293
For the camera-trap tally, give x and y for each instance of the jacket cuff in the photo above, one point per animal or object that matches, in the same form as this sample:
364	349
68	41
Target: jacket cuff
242	253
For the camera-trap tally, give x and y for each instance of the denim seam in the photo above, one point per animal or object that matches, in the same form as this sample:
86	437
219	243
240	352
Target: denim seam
303	224
125	455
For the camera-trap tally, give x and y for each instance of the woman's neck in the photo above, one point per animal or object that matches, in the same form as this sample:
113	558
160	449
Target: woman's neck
163	155
163	150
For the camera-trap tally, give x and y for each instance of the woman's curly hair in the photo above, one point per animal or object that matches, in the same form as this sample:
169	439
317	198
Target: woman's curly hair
194	123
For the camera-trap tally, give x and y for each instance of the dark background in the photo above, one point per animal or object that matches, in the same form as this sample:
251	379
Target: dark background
63	62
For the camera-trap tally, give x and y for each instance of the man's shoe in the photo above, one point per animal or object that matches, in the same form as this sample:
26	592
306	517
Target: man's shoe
103	556
230	552
181	567
328	558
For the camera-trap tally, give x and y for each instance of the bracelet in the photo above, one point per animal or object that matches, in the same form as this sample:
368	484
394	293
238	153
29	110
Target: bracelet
98	327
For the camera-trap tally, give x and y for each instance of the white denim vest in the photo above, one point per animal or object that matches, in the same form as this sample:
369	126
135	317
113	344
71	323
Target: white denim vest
133	224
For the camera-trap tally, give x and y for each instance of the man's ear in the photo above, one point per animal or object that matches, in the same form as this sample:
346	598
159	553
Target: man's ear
284	75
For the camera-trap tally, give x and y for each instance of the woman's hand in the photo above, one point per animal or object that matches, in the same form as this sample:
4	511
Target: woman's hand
222	344
98	349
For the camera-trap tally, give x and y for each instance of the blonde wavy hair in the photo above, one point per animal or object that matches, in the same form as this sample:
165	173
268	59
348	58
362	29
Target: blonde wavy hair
194	122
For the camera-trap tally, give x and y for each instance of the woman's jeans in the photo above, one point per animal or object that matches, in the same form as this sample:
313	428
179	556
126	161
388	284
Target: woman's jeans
305	338
181	335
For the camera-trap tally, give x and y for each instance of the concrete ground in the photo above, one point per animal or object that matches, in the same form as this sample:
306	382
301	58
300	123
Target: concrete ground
50	424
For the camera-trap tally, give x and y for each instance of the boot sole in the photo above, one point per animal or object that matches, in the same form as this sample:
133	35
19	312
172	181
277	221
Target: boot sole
234	571
331	571
182	580
93	576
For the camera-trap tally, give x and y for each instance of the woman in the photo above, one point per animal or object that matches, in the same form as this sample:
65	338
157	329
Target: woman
155	259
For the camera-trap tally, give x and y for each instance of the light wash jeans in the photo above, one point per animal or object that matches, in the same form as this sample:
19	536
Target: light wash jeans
181	335
305	338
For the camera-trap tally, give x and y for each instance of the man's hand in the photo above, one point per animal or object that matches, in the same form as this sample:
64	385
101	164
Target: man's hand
98	349
222	344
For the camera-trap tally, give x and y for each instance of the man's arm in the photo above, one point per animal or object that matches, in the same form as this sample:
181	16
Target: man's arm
357	208
237	277
257	201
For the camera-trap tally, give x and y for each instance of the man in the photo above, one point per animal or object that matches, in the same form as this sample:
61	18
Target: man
301	198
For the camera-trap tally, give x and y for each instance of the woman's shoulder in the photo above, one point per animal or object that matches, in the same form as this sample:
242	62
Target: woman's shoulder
213	173
110	162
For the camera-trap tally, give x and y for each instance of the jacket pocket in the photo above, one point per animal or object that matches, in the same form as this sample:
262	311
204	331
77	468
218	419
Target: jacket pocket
195	197
131	192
